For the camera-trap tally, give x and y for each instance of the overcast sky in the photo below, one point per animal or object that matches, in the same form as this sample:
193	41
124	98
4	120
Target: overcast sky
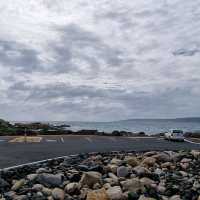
99	59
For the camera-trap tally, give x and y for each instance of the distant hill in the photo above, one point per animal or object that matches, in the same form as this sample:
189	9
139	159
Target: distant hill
183	119
188	119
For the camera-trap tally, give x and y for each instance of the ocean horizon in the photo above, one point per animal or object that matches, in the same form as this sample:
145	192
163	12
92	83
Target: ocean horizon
149	126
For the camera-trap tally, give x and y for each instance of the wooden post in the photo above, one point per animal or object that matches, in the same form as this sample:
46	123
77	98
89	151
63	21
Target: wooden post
25	136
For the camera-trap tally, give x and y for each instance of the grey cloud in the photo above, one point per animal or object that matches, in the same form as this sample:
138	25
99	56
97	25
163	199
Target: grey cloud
149	13
133	47
75	42
186	52
123	18
165	101
38	93
18	56
101	103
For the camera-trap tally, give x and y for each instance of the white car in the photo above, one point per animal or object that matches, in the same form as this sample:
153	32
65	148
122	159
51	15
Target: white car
174	135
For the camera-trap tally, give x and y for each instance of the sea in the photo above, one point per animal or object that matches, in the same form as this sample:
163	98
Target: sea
149	126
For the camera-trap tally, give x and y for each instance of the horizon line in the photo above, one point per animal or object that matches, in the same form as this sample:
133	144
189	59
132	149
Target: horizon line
89	121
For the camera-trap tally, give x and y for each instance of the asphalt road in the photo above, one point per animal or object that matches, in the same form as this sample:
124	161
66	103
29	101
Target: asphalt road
20	153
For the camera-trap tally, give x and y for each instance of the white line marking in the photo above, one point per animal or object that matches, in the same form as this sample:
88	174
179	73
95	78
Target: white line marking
89	139
48	159
2	140
191	142
33	163
51	140
141	137
41	161
62	140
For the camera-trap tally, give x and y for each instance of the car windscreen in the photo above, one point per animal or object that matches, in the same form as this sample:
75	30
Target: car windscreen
178	131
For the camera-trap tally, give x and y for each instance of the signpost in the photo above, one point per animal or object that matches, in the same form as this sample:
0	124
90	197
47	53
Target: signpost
25	136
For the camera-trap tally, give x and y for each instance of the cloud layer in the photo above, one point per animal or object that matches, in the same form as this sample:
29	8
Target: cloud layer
99	60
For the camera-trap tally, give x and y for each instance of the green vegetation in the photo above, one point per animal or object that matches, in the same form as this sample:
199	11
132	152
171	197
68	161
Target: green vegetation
6	128
35	128
4	123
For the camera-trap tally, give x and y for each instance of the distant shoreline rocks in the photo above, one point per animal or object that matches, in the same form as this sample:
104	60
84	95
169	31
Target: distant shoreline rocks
38	128
150	175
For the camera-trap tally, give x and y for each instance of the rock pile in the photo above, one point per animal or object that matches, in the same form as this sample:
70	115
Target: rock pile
151	175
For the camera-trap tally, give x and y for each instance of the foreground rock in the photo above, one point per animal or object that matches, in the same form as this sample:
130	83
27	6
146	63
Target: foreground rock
115	193
97	195
50	180
90	178
58	194
107	176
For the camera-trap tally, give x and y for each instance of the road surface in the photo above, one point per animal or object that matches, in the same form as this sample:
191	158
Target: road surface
54	146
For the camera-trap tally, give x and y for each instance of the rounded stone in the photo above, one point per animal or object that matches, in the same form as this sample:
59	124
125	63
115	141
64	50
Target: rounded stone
58	194
115	193
122	171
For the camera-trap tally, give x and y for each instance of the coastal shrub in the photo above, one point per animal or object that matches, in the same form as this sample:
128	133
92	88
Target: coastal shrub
7	131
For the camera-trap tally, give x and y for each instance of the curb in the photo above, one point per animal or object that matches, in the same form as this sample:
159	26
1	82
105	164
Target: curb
191	142
35	163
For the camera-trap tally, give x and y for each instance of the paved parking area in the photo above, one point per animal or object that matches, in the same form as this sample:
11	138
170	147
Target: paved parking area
62	139
16	153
